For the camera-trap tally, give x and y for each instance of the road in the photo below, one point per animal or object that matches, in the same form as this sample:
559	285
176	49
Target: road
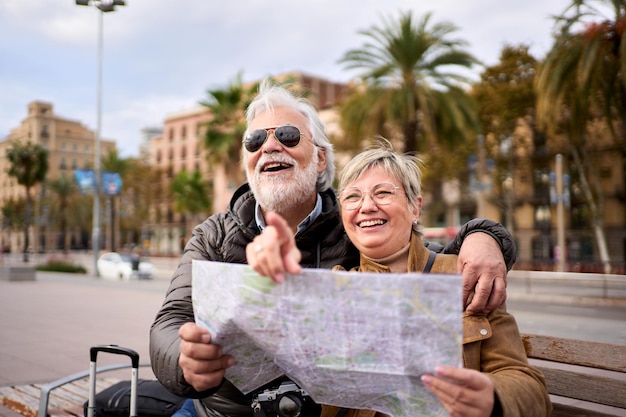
571	308
601	324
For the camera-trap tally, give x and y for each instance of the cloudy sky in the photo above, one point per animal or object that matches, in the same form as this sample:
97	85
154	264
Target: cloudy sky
160	56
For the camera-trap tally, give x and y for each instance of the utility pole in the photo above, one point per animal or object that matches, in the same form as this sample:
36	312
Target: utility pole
559	195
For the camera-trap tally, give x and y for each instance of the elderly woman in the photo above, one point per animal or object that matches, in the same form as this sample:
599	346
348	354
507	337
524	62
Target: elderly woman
381	200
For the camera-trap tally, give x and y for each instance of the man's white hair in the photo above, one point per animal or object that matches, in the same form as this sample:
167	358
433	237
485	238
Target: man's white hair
271	96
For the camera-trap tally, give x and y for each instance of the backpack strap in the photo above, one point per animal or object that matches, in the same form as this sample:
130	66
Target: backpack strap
430	262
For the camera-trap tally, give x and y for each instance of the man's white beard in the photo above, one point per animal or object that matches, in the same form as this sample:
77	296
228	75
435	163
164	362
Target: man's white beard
280	193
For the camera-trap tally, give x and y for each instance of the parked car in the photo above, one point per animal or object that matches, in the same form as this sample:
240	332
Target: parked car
113	265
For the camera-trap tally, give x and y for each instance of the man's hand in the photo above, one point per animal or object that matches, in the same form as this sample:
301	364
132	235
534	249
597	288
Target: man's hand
274	252
462	392
482	265
202	363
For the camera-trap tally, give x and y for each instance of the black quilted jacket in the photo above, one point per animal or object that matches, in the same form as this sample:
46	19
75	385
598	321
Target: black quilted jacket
223	237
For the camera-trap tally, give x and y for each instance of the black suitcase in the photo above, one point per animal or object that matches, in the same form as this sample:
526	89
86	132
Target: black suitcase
143	398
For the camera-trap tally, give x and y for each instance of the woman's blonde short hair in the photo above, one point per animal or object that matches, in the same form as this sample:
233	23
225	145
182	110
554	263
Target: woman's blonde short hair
406	168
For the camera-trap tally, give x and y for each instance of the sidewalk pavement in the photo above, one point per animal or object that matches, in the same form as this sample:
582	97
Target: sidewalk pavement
48	325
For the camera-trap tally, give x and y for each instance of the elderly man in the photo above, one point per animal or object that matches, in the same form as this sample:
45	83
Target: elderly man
289	164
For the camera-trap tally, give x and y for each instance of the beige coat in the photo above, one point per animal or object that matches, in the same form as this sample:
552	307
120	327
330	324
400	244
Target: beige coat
491	344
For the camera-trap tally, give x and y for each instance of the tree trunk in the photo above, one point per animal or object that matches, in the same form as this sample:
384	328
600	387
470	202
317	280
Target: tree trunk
410	136
596	216
27	217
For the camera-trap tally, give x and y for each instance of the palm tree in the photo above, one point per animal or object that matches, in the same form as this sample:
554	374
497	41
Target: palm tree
586	69
582	81
225	130
64	189
12	217
408	85
29	165
191	195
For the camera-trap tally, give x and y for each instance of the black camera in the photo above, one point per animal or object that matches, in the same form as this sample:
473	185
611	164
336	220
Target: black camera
286	400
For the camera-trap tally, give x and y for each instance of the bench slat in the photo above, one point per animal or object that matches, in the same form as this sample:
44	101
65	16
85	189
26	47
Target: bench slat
582	409
608	388
577	352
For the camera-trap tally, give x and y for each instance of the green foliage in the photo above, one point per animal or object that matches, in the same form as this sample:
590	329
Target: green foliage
225	130
191	193
13	214
112	162
28	163
506	92
64	192
61	266
408	88
583	77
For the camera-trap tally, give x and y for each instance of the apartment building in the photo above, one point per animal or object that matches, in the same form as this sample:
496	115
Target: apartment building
70	144
179	147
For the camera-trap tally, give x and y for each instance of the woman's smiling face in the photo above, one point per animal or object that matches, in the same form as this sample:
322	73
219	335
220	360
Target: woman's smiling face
379	230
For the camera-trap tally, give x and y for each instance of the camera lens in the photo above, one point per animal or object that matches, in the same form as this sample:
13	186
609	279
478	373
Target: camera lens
289	406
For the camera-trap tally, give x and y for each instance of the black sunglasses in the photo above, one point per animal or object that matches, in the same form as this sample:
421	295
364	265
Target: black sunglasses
287	135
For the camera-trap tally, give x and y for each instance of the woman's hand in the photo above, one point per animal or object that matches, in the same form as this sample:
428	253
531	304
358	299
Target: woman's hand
462	392
274	251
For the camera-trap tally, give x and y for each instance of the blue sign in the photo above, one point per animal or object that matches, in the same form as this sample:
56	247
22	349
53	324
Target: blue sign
86	180
111	183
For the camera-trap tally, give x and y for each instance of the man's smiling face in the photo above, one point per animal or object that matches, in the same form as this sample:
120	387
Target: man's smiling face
282	177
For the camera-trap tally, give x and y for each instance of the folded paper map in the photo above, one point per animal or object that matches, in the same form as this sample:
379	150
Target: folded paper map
356	340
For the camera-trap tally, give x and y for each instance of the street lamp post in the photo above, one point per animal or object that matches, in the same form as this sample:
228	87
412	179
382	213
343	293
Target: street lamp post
104	6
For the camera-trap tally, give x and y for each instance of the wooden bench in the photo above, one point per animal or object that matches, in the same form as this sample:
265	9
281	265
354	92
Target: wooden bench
67	400
63	397
583	378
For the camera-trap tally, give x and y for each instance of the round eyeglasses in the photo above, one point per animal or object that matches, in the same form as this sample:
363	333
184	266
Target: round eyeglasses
382	194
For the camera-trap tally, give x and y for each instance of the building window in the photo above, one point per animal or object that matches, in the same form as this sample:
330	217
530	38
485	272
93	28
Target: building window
62	165
542	217
171	134
184	132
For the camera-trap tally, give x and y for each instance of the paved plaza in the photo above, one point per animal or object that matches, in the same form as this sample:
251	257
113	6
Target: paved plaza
48	325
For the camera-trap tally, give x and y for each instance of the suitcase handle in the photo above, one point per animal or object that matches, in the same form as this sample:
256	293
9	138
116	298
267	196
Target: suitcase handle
116	350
